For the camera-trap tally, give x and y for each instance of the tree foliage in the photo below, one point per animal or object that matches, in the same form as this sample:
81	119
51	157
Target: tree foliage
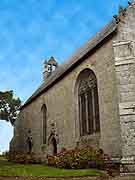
9	106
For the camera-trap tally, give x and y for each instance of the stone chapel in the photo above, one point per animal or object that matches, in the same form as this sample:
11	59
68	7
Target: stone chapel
90	99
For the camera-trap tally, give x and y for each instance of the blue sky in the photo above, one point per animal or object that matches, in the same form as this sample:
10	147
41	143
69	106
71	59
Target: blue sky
33	30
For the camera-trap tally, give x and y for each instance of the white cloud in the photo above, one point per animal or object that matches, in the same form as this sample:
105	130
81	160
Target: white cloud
6	134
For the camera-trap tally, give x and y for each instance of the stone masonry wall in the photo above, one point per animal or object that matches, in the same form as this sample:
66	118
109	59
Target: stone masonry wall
124	52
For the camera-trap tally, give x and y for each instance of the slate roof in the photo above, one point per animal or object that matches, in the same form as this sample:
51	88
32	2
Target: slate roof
73	60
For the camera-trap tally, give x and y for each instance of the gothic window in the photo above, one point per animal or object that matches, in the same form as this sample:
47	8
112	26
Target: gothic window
88	103
44	123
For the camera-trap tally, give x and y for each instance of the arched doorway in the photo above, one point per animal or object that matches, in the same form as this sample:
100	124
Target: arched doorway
52	145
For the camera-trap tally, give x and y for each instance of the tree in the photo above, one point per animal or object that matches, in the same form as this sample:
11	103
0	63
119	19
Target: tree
9	106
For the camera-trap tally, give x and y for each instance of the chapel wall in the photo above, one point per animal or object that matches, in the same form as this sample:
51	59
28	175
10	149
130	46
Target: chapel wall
60	101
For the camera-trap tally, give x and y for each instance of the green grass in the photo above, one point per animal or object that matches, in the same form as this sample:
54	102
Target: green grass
13	169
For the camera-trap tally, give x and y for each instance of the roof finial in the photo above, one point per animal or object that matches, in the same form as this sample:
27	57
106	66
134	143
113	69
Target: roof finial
129	3
122	10
117	19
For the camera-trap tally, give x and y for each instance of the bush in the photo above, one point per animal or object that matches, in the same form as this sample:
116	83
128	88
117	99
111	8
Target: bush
87	157
22	158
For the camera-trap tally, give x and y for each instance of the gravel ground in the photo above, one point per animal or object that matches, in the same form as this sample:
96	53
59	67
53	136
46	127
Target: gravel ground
75	178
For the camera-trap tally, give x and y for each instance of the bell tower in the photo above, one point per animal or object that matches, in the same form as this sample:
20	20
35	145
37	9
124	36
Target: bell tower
48	67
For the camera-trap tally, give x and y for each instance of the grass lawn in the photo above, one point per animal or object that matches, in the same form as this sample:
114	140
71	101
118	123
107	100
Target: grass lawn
13	169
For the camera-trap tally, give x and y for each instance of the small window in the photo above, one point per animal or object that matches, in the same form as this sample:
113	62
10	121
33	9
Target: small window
44	123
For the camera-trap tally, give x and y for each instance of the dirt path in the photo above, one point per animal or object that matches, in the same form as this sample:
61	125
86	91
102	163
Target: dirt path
45	178
75	178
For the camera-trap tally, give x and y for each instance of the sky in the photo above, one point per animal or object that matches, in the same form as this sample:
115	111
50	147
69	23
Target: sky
33	30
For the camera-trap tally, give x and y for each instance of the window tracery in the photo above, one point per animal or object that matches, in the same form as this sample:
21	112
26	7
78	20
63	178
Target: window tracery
88	103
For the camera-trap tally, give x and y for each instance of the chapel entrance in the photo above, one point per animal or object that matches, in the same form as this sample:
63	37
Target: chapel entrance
54	146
